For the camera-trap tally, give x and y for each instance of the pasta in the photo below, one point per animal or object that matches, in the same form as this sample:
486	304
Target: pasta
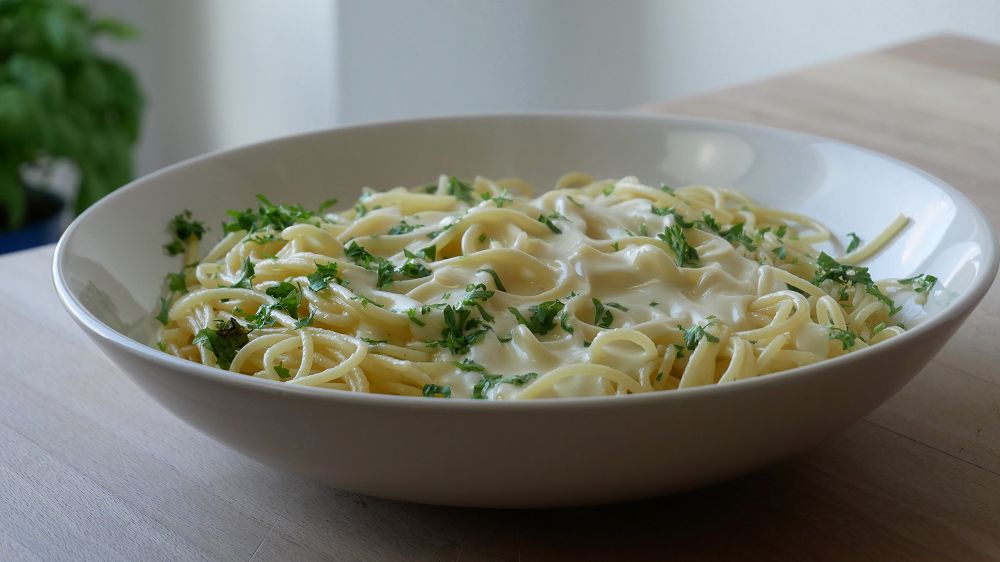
477	290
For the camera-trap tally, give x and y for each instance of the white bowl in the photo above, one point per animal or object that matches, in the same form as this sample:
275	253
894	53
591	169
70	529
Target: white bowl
109	267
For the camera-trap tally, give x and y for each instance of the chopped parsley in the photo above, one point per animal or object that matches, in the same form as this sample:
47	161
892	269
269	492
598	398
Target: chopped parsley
435	233
359	255
224	341
411	313
709	223
459	189
780	233
499	199
182	227
287	299
781	253
855	242
496	278
666	188
564	323
164	309
829	269
384	271
372	341
177	282
878	327
574	201
403	227
461	331
608	189
414	270
305	320
262	238
283	372
922	283
846	337
547	221
267	214
365	301
543	316
736	236
428	253
246	275
654	303
469	365
685	254
694	334
435	391
670	212
603	317
324	274
483	238
327	204
490	381
476	294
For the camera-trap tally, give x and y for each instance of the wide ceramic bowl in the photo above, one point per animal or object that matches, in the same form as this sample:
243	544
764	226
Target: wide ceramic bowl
109	268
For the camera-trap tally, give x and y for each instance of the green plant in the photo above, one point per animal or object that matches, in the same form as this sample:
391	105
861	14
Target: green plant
60	100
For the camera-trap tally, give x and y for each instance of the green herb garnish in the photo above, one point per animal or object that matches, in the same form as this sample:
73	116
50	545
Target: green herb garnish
461	331
324	274
670	212
411	313
177	282
694	334
459	189
602	316
435	391
182	228
327	204
282	371
547	221
224	341
543	316
855	242
278	217
490	381
246	275
736	236
496	278
403	227
684	253
922	283
305	320
847	338
414	270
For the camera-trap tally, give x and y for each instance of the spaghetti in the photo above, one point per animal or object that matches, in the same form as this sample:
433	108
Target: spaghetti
477	290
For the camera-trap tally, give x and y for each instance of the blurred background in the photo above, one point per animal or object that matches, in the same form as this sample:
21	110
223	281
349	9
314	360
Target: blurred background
220	73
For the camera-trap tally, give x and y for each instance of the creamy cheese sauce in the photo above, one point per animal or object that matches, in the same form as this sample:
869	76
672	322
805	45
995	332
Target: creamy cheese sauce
471	290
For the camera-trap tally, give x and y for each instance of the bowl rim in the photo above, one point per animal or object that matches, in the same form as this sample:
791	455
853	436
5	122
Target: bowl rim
965	302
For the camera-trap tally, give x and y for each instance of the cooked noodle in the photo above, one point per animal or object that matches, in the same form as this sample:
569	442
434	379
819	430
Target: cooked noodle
478	290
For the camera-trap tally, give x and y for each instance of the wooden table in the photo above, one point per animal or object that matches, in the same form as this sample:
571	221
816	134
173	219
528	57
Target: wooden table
90	468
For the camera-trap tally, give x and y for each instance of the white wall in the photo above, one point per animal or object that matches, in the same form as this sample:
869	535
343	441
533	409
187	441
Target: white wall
220	73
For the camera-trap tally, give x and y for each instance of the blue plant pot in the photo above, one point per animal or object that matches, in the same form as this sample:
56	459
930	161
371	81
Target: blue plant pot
44	224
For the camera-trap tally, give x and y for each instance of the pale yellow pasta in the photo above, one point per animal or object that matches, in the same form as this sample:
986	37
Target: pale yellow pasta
475	290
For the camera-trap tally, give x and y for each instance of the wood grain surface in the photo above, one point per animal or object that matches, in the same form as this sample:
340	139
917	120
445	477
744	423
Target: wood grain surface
90	468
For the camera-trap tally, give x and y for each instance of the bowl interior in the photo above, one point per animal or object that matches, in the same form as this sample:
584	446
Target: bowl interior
112	263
